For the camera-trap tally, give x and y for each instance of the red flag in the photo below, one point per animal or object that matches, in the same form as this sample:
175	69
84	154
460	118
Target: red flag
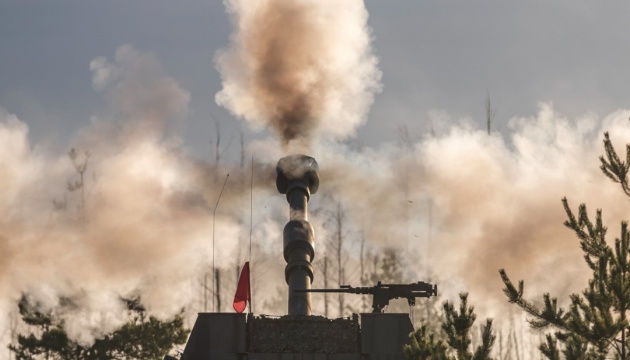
242	295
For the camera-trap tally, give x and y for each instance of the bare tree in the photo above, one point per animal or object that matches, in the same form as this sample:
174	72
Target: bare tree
404	137
217	142
325	270
333	260
242	142
490	112
363	272
406	143
218	150
206	289
80	163
217	278
339	240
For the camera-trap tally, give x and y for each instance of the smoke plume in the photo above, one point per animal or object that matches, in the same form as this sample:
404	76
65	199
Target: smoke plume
302	68
461	203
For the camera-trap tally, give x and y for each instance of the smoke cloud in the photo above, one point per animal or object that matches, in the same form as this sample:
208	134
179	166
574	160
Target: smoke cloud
140	224
461	203
302	68
464	204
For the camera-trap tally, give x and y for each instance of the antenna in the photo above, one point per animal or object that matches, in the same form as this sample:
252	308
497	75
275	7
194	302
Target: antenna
251	226
214	216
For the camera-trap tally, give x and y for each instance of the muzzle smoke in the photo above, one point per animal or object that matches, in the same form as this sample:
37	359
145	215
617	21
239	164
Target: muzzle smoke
302	68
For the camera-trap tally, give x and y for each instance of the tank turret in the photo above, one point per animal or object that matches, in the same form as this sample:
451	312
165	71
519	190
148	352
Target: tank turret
300	334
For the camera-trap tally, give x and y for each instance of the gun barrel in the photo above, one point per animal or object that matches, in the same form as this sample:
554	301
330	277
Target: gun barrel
344	290
296	176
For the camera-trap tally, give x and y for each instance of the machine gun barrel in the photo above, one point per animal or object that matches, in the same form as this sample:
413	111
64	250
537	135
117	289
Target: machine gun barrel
321	290
383	293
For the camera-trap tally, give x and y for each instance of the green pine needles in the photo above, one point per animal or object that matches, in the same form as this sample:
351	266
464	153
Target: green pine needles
595	325
143	337
456	326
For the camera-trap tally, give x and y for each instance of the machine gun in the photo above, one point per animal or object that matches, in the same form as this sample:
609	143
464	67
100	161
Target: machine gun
383	293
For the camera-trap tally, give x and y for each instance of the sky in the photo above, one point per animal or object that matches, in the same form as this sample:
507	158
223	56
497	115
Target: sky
434	56
143	85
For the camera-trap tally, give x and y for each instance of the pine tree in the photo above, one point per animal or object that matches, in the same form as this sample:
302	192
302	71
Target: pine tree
142	337
425	346
595	326
456	326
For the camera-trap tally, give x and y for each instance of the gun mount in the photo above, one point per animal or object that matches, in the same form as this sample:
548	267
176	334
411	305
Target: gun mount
383	293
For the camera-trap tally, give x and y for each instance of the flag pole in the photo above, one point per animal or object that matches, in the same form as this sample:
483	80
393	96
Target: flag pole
249	287
251	226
